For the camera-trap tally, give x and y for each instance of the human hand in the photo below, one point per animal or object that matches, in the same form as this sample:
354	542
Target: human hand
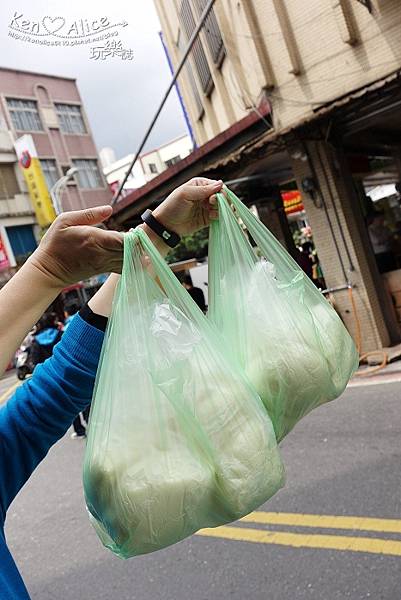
72	249
189	207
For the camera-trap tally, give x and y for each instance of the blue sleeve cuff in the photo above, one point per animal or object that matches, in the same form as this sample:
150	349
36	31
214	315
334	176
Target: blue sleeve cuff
83	343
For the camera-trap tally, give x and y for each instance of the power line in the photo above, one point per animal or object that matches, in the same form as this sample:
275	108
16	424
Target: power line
188	49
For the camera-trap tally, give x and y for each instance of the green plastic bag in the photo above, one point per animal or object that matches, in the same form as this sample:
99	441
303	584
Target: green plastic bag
277	325
177	439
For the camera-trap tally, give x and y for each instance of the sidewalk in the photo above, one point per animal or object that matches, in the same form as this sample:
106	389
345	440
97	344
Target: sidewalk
8	374
391	373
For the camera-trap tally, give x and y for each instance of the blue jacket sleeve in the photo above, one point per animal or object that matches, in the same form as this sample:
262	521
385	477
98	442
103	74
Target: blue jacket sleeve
43	408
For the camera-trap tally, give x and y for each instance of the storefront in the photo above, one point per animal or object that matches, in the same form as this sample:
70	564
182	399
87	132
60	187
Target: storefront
338	162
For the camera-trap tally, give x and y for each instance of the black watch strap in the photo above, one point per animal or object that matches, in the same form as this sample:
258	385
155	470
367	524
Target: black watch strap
169	237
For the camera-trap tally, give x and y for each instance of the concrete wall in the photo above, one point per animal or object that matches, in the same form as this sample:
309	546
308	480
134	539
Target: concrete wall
305	54
181	146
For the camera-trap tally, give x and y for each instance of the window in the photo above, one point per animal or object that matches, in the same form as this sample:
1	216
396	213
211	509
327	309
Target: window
50	171
172	161
24	115
70	118
8	182
64	170
212	33
153	168
191	79
22	240
197	52
88	173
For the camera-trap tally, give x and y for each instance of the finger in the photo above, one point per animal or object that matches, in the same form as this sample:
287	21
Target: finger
201	181
202	192
88	216
224	191
213	215
112	241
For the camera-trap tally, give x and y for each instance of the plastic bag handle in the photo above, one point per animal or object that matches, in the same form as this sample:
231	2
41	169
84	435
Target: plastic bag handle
172	287
265	240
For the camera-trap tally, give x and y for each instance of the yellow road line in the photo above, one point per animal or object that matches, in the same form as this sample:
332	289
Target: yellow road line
298	540
9	391
324	521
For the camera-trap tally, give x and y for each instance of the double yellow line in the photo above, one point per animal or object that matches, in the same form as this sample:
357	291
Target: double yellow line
351	543
9	391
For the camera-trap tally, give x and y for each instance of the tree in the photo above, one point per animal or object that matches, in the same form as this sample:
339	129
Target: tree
191	246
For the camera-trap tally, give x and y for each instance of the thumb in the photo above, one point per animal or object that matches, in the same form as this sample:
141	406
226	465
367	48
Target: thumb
202	192
88	216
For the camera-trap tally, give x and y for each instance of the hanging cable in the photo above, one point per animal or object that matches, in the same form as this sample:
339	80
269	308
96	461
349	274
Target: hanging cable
188	49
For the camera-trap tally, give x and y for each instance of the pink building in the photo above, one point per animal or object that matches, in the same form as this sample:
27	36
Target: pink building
50	109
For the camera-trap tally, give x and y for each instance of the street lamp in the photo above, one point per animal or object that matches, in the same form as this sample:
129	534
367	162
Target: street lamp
58	188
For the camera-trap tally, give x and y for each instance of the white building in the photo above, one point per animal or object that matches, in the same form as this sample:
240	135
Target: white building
148	166
115	173
107	156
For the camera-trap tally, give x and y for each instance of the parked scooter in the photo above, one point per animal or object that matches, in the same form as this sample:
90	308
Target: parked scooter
24	364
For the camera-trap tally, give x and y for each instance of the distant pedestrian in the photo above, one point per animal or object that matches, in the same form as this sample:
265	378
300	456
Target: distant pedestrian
304	258
195	292
46	336
69	314
80	423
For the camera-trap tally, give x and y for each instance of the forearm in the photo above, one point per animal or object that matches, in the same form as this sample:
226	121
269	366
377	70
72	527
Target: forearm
22	302
27	295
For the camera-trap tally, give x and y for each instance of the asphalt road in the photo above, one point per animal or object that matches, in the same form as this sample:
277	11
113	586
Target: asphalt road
343	459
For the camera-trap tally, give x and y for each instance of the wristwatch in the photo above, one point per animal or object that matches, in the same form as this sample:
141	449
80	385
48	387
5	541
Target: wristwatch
169	237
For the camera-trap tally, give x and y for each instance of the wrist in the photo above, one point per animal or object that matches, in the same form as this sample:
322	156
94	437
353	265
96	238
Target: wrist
41	275
157	241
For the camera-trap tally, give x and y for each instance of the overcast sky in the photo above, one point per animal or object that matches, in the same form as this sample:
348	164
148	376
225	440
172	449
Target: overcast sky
120	96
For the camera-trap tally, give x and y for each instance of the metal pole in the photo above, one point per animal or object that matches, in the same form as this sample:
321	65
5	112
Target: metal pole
188	49
58	188
339	288
55	195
